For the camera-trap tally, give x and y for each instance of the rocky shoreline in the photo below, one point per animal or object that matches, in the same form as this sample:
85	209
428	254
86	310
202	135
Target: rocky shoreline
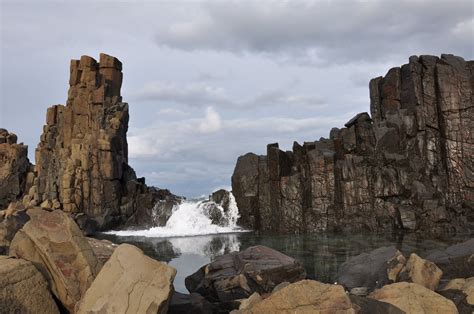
61	271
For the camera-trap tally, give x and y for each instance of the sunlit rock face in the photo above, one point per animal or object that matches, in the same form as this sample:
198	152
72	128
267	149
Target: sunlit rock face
14	168
82	159
407	165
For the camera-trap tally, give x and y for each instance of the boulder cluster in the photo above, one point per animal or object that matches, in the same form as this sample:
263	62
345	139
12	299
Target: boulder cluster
408	165
51	267
82	158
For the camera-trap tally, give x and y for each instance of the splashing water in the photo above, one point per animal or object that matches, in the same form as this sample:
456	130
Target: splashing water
189	219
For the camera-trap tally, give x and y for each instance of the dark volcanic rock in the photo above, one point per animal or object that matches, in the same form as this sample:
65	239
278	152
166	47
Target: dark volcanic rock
14	167
409	165
363	305
237	275
456	261
192	303
82	158
372	270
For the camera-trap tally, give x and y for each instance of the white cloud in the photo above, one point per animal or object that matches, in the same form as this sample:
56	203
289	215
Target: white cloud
211	123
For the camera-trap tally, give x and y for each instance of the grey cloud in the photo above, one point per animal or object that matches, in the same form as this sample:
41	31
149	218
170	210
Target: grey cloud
322	32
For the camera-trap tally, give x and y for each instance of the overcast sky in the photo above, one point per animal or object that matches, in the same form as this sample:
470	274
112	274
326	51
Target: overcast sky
208	81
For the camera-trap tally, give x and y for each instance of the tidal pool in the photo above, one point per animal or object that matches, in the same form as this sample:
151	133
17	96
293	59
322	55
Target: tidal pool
321	254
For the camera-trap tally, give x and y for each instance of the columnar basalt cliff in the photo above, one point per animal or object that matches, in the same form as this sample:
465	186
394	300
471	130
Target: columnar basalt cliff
82	159
409	165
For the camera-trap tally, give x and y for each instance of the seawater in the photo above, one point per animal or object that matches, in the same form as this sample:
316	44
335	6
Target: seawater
189	241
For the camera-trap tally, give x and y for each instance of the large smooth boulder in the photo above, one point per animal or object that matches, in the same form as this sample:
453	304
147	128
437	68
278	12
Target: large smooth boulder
414	298
421	271
23	289
456	261
56	246
461	292
306	296
130	282
239	274
372	270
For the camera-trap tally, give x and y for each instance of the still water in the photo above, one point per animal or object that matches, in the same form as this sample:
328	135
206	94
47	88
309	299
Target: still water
321	254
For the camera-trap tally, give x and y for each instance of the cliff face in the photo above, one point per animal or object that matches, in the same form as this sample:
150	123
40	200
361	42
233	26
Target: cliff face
82	159
407	166
14	168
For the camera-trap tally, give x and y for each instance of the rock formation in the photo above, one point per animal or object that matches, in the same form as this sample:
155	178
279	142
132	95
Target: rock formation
409	165
55	245
23	288
82	158
14	168
130	282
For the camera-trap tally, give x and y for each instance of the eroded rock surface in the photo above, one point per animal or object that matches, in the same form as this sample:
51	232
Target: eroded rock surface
421	271
55	245
414	298
23	289
456	261
461	292
130	282
408	165
239	274
14	168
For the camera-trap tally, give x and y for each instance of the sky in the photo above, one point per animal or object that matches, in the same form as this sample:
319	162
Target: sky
208	81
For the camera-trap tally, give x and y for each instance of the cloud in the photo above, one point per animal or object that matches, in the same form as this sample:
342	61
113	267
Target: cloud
211	123
323	32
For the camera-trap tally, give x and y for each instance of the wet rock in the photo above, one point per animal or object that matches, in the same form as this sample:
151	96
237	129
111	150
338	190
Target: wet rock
55	245
456	261
306	296
420	271
407	166
14	168
130	282
413	298
371	270
239	274
23	289
192	303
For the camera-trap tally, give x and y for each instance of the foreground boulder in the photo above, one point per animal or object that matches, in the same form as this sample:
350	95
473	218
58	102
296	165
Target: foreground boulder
23	289
371	270
306	296
456	261
421	271
461	292
130	282
239	274
414	298
363	305
14	168
56	246
408	165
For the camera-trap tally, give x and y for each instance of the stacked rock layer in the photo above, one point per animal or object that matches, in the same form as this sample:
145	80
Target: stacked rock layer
408	165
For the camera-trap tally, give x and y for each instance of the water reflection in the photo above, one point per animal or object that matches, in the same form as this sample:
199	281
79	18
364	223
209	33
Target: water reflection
321	254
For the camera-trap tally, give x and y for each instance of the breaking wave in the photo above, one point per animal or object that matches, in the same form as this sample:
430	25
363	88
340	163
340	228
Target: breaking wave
189	219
